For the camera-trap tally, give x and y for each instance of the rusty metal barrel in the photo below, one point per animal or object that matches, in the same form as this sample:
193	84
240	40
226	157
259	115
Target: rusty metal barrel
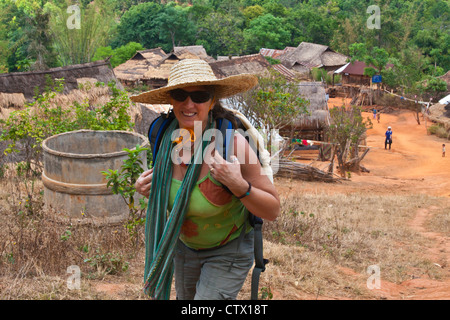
74	186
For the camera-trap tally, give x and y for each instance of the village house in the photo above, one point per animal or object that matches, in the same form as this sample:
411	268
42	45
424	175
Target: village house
151	67
310	55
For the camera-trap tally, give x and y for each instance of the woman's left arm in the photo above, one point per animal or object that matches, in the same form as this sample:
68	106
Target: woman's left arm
245	170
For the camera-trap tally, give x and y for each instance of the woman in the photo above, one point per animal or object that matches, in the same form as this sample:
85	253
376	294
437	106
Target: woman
208	197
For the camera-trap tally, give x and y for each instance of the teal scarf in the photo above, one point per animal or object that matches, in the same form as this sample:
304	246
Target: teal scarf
162	229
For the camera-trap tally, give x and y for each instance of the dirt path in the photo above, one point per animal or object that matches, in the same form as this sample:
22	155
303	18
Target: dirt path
413	165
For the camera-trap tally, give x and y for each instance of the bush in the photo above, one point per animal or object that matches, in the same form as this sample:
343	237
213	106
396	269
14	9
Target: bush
26	129
439	131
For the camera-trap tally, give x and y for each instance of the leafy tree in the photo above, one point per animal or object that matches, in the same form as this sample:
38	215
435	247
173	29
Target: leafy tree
174	26
118	55
139	25
220	35
266	31
273	105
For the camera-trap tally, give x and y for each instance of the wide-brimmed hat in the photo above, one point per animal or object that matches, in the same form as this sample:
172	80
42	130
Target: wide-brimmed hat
196	72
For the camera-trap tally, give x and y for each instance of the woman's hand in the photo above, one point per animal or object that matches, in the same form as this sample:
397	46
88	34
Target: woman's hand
228	173
144	183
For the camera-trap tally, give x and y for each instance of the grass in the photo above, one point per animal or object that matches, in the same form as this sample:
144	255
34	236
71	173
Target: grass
320	246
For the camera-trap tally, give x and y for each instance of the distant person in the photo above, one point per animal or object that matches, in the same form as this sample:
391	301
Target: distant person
443	149
378	117
374	113
388	140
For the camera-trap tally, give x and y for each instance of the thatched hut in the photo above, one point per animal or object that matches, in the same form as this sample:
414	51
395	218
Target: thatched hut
311	126
132	71
25	83
157	76
254	64
310	55
275	53
151	67
198	51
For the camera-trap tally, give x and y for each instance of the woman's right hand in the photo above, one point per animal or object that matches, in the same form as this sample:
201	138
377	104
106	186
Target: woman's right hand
144	183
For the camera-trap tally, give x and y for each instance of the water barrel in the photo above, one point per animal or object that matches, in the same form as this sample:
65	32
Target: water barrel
74	186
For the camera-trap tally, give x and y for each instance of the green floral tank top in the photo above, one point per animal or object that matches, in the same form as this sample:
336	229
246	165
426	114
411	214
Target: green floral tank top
214	216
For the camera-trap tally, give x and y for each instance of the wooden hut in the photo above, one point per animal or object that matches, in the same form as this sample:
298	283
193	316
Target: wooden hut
25	83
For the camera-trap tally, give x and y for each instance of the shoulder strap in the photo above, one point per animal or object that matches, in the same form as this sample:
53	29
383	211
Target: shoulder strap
156	132
255	222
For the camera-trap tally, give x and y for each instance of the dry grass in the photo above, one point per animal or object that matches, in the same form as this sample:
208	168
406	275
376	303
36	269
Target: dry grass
36	248
322	244
320	247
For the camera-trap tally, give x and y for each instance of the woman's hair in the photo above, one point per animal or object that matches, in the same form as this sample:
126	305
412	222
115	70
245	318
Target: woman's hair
218	111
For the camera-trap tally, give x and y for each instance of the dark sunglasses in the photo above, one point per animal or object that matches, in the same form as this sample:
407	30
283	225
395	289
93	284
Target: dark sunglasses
196	96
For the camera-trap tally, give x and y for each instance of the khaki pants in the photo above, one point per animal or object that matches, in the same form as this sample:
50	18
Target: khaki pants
213	274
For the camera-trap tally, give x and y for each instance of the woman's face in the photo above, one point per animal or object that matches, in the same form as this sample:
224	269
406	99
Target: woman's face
187	111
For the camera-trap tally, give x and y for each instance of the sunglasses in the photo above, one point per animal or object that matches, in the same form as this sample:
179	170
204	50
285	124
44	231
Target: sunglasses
196	96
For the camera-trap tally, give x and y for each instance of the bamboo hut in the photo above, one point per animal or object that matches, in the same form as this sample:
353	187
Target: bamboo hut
310	55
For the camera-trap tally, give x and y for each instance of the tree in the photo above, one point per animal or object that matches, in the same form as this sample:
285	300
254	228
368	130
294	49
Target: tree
345	131
273	105
139	25
174	27
77	44
266	31
118	55
220	34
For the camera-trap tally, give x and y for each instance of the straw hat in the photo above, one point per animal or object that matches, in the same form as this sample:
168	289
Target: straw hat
196	72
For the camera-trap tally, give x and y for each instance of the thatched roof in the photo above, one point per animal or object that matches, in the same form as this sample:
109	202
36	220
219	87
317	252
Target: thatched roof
313	55
135	68
199	51
162	70
155	64
318	108
26	82
275	53
254	64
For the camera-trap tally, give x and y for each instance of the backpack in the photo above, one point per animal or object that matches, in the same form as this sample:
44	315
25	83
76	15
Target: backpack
155	134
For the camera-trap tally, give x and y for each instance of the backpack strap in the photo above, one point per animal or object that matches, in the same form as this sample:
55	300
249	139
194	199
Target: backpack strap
156	132
226	128
255	222
260	262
